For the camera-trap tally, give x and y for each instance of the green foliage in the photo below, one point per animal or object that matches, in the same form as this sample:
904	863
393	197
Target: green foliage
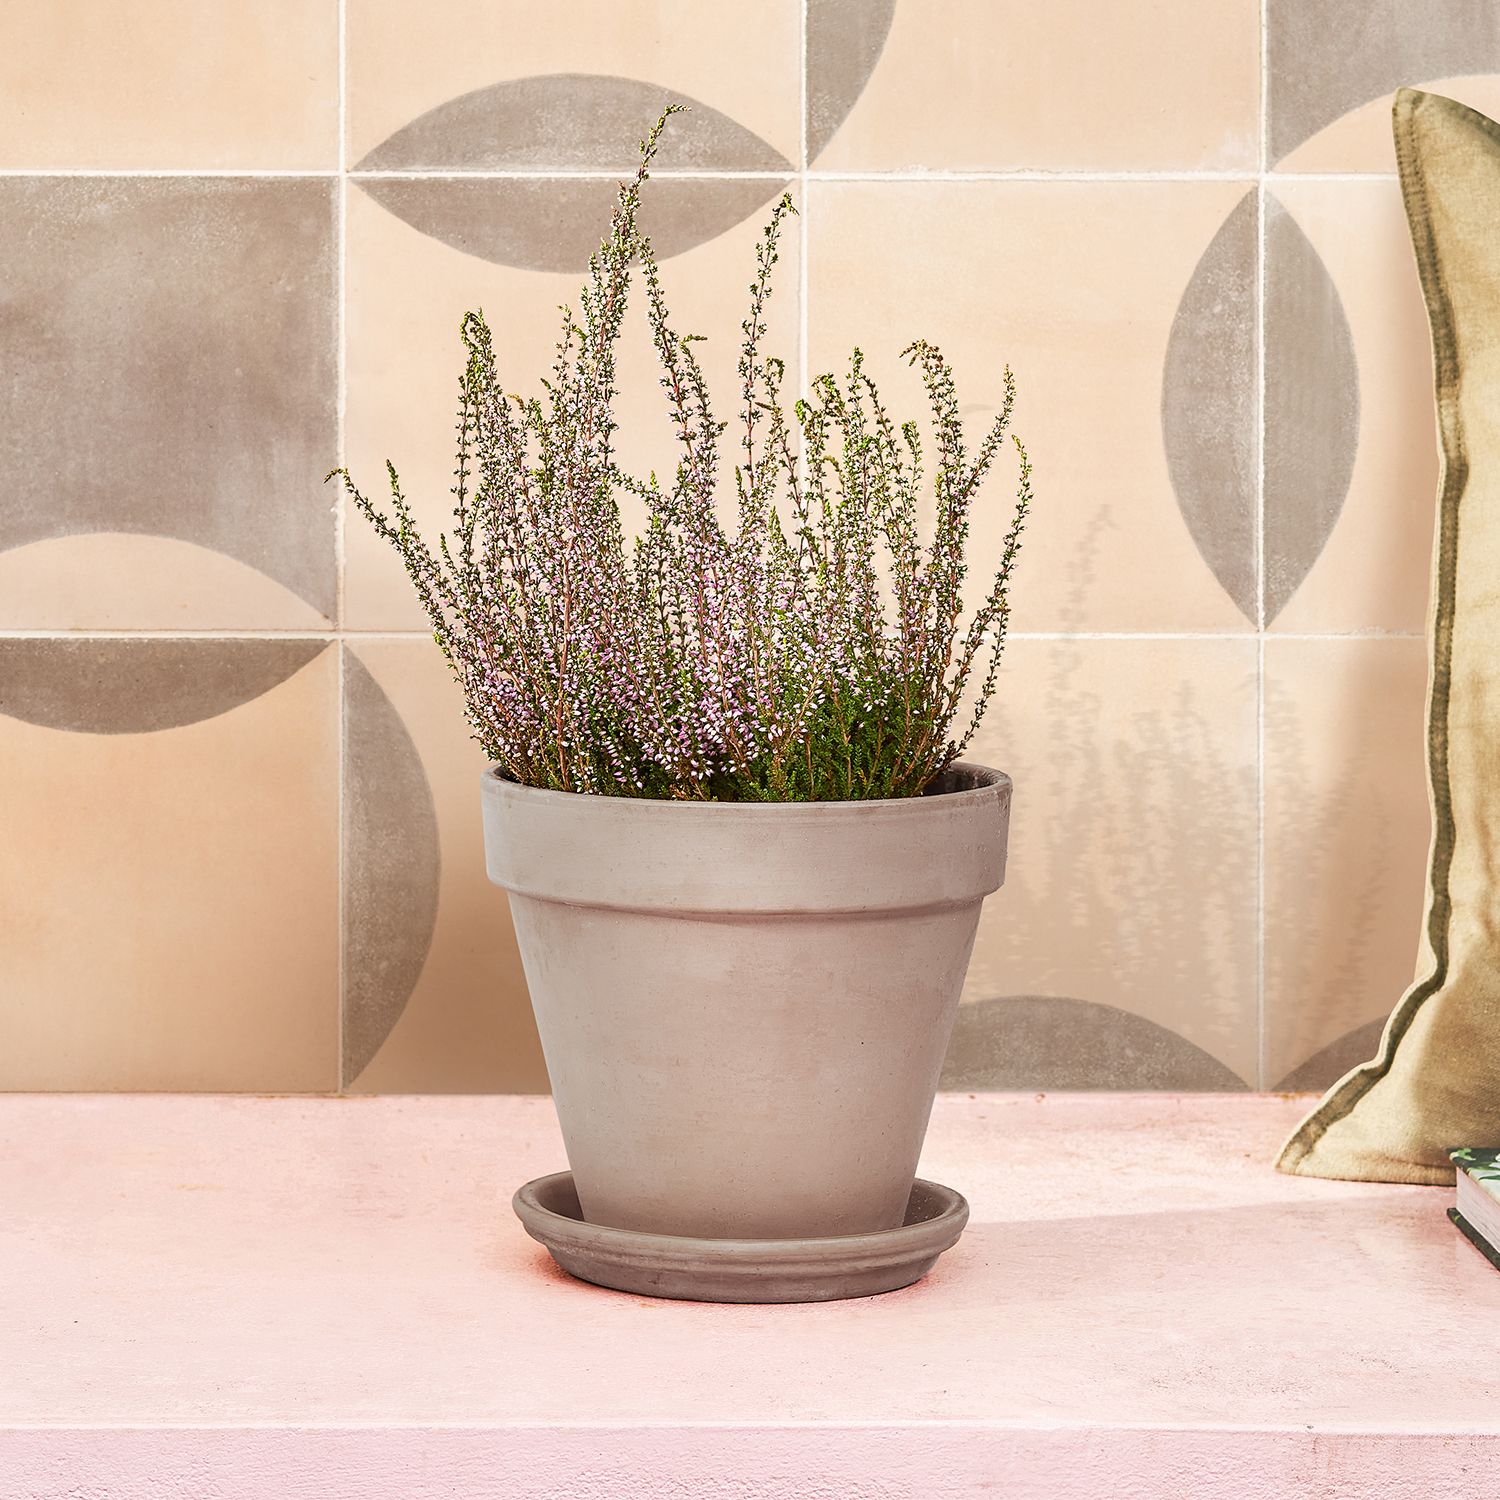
813	650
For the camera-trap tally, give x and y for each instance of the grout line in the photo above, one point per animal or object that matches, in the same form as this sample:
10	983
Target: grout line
803	174
340	512
581	174
302	172
1023	174
353	635
802	168
910	175
804	208
1361	634
340	635
1261	1048
217	633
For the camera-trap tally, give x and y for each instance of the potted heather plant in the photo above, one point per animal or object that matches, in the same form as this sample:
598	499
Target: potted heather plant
745	861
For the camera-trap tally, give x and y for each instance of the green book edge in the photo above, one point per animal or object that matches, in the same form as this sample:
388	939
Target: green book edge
1480	1165
1476	1239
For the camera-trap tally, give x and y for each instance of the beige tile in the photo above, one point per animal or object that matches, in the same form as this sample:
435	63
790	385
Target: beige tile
1370	571
169	883
740	64
1132	875
1347	832
1076	286
1332	65
115	580
170	83
969	84
451	1013
406	295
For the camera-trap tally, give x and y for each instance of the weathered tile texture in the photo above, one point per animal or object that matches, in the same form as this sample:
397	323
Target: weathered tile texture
239	810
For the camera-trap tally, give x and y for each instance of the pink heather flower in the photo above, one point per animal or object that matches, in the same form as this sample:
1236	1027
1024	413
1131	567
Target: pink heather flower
815	649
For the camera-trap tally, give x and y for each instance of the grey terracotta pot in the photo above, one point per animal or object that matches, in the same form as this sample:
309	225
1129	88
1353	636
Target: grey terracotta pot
744	1007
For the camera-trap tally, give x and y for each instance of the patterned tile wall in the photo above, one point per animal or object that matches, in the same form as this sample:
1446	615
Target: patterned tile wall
239	842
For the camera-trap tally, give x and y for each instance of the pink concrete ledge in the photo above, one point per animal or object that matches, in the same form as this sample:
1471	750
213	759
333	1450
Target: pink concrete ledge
310	1299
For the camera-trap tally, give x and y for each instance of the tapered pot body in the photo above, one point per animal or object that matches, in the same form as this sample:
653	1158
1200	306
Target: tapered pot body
744	1007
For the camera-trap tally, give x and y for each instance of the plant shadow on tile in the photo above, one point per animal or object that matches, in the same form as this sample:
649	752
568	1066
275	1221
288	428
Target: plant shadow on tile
1347	829
1133	870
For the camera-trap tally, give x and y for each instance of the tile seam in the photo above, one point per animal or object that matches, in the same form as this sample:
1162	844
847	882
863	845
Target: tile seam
339	514
1261	1046
804	175
811	174
804	207
414	634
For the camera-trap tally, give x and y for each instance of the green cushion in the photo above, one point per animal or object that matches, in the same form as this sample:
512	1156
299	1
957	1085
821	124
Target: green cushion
1436	1081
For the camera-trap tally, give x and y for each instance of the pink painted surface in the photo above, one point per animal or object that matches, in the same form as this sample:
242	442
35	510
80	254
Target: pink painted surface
244	1298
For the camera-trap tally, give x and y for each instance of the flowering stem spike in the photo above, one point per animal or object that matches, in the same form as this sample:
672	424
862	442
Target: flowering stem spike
812	650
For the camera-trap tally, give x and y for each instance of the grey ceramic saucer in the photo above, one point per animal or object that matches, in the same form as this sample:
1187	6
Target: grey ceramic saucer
701	1270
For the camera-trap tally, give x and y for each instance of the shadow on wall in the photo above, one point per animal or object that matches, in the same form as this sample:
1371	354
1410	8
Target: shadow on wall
1138	896
1132	882
1347	838
1320	959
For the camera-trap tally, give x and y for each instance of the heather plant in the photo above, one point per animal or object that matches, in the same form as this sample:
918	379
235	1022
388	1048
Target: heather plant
812	649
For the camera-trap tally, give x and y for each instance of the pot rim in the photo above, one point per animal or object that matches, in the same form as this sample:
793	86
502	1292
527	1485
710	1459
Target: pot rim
981	783
636	854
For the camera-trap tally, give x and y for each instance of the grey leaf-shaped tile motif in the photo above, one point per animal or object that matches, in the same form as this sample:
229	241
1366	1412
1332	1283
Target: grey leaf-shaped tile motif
1327	1066
1051	1042
844	41
392	867
554	223
569	121
120	686
1312	407
1210	405
171	366
1327	57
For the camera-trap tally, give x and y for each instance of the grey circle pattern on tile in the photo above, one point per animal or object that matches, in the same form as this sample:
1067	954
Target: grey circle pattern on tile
110	685
1056	1042
172	370
569	122
1328	57
553	223
578	122
392	867
1330	1063
222	292
1211	415
844	41
1312	406
1209	405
